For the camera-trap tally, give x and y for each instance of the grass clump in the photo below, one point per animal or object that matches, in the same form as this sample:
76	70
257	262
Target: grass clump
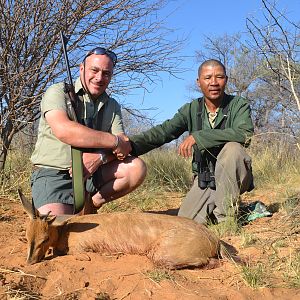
167	170
230	226
292	273
292	203
254	276
280	244
142	199
102	296
248	239
16	174
274	162
158	275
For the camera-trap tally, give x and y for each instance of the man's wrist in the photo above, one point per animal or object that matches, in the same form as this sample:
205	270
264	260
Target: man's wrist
117	141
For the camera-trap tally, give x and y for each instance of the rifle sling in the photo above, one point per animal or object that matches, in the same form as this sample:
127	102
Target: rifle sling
76	154
77	180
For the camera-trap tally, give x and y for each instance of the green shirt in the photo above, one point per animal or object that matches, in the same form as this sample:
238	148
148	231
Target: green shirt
238	127
104	114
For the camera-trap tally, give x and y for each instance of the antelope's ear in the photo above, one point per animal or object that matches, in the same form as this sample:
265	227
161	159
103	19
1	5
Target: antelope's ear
48	218
28	206
51	219
61	220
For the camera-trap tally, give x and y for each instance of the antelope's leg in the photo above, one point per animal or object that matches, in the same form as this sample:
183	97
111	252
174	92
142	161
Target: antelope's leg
88	208
182	247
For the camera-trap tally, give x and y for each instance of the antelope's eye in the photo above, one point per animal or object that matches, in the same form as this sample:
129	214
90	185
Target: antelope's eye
46	240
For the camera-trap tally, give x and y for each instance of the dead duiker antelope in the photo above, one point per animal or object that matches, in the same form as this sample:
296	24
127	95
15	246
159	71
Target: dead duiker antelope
169	241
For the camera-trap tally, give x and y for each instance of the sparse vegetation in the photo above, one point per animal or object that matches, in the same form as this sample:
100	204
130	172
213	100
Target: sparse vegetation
16	174
247	239
254	276
275	163
159	275
292	272
168	171
230	226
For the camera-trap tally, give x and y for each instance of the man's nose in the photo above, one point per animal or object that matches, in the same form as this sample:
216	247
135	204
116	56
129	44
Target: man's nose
99	75
213	80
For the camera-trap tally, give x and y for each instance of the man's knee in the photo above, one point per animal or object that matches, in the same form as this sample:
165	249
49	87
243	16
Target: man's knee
136	171
234	165
140	167
233	151
232	147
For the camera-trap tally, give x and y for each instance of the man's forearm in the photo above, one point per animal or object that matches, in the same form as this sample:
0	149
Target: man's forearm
81	136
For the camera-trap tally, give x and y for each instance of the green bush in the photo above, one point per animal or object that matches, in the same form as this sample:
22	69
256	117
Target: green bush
168	171
16	174
274	162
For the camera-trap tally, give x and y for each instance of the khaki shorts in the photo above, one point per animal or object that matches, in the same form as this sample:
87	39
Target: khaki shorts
55	186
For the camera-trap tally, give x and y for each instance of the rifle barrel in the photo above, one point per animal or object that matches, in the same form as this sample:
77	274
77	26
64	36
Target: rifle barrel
64	43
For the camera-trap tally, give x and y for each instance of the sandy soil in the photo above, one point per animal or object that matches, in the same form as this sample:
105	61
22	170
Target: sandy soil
94	276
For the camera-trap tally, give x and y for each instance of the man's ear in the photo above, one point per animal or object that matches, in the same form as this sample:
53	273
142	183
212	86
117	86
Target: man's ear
81	67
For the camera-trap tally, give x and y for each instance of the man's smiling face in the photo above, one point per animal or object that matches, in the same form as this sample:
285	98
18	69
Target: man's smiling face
95	74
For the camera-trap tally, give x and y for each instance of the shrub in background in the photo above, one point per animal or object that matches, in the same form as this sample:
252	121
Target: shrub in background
274	162
168	171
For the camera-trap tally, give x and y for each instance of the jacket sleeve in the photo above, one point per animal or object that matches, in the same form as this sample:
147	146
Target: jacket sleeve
239	128
159	135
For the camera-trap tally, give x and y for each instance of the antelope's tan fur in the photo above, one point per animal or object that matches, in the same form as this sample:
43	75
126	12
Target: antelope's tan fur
169	241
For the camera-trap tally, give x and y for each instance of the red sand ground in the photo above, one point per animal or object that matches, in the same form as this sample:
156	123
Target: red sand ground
93	276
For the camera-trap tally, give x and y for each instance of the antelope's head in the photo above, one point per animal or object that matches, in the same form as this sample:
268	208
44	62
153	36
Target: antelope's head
41	232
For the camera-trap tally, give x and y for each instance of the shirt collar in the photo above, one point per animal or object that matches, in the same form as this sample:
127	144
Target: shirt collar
209	112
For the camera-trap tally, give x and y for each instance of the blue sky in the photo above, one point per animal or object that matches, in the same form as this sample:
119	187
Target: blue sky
197	19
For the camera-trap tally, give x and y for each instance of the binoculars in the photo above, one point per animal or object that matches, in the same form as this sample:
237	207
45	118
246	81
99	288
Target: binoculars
206	177
206	163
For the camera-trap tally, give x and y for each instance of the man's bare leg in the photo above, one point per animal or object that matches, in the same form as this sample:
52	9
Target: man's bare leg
56	209
120	178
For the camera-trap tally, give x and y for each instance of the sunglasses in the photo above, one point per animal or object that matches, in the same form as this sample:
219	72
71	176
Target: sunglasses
102	51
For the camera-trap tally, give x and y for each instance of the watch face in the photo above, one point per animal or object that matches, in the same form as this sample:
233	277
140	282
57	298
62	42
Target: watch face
104	158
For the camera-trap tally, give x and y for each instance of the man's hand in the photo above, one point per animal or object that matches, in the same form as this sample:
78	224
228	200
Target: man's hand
185	148
91	162
123	148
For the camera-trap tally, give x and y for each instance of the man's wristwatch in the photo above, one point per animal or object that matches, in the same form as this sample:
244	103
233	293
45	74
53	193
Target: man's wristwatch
117	142
103	158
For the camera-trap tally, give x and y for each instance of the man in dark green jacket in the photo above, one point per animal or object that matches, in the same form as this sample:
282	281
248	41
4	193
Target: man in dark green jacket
219	127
